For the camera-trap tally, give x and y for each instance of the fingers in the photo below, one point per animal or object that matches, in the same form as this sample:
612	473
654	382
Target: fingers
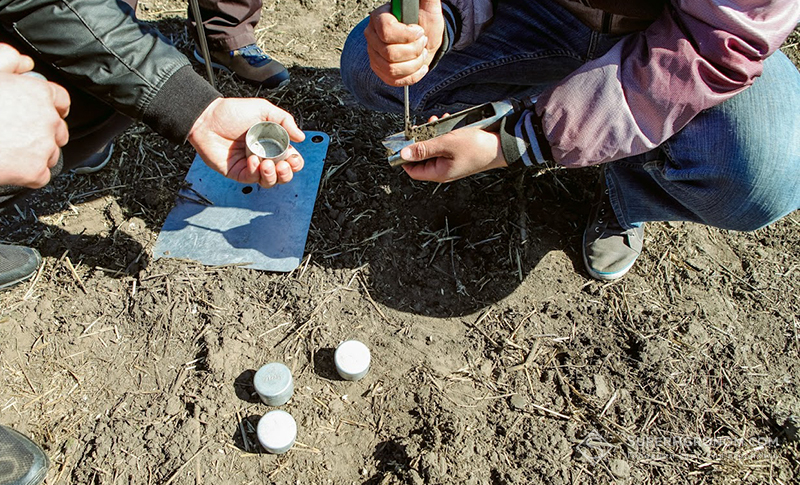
281	172
404	73
268	176
286	120
55	154
395	41
295	160
426	153
61	99
41	179
389	30
12	62
433	148
397	52
40	175
61	133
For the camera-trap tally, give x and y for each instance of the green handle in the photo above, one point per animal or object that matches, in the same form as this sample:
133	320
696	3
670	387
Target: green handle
406	11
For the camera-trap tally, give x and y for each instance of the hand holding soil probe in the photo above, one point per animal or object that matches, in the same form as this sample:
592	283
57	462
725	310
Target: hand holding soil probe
219	138
453	146
400	54
454	155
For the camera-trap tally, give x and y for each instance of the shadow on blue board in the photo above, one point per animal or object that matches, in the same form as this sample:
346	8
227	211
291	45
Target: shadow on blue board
218	221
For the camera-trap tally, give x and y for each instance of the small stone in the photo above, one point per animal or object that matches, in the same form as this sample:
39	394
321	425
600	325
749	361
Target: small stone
601	387
518	401
620	468
414	477
174	406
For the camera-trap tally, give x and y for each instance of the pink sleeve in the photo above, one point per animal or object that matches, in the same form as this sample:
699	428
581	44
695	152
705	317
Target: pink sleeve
651	84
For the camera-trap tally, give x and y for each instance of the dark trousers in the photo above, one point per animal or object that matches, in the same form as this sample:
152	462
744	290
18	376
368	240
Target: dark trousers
229	24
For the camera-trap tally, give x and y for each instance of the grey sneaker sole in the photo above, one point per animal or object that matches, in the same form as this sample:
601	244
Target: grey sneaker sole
215	65
18	281
28	275
96	167
22	462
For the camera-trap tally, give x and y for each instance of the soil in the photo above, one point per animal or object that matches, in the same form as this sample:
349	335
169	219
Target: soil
496	359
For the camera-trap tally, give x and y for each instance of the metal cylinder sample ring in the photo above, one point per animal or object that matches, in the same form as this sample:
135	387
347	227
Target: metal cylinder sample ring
267	140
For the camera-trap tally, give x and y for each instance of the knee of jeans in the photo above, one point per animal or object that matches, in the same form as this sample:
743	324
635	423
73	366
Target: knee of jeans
357	75
760	200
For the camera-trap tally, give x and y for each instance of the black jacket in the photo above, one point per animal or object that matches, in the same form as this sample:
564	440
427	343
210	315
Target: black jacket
102	49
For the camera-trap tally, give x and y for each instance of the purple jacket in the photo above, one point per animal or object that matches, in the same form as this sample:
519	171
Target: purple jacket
693	56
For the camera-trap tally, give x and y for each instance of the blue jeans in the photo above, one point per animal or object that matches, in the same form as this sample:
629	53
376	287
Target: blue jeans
735	166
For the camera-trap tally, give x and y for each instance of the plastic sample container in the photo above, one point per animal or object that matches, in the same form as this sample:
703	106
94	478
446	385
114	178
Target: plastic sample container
277	431
274	384
352	359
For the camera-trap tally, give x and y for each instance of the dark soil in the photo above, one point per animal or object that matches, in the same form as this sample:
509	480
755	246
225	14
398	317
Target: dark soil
496	359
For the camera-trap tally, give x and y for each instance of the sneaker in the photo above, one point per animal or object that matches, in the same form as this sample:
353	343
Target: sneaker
251	64
95	162
22	462
609	251
17	264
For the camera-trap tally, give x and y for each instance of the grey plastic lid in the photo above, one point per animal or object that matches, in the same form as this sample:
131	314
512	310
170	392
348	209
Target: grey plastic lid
274	384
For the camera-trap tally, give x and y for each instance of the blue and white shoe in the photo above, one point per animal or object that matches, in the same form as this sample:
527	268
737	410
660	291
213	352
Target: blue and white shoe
251	64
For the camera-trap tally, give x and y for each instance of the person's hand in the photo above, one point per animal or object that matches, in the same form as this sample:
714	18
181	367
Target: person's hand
12	62
218	136
454	155
32	113
401	54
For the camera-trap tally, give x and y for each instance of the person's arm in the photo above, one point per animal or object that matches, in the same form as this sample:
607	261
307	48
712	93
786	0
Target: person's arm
103	50
651	84
32	113
100	47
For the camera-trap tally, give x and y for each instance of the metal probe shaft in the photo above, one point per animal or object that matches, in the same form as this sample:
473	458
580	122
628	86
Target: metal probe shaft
407	125
201	34
406	11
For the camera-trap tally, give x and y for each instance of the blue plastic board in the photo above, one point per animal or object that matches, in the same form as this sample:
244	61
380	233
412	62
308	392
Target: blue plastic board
218	221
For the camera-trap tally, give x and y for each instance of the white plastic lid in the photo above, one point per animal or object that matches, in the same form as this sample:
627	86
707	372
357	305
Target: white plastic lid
352	360
277	431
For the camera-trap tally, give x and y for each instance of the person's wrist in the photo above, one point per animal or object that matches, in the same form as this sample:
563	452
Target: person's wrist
499	158
202	120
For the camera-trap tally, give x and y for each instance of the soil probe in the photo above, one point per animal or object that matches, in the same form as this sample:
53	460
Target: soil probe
201	34
406	11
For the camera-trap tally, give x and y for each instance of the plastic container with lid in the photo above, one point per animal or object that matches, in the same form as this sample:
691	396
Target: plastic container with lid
274	384
277	431
352	359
